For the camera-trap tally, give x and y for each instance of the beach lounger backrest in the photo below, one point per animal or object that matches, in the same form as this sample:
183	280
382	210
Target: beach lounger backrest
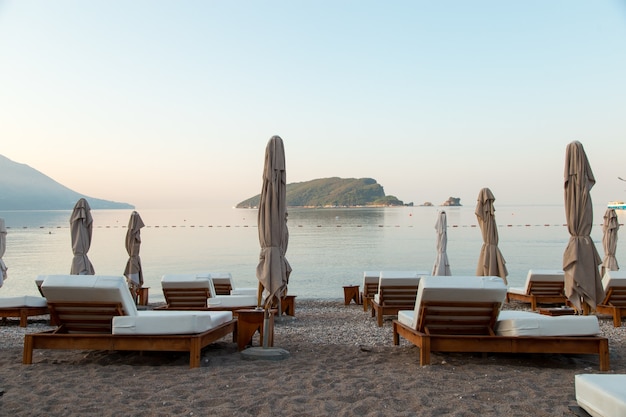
388	278
87	303
544	281
187	290
614	283
370	282
456	291
89	289
222	282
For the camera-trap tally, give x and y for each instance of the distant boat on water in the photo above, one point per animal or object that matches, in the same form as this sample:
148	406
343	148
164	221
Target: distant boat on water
617	205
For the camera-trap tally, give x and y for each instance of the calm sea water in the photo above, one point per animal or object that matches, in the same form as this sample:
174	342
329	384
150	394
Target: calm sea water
328	248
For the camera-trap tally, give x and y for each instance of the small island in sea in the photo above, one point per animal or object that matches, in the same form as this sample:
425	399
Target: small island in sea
450	202
334	192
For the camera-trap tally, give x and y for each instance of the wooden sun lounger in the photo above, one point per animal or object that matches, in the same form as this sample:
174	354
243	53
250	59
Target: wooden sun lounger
370	288
541	290
614	304
392	299
88	326
22	313
469	327
22	307
195	294
541	293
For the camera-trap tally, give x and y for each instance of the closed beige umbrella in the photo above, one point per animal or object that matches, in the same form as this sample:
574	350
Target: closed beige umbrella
81	225
273	269
442	265
490	262
3	248
133	271
610	226
583	283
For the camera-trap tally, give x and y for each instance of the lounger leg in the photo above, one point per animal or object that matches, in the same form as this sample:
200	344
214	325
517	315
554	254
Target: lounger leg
604	355
27	357
23	318
396	336
425	351
194	353
617	317
379	318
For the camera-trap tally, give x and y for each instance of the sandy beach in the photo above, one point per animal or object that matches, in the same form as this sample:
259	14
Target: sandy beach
341	364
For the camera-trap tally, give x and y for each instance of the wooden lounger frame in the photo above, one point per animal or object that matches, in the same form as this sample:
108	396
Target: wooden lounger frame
22	313
541	292
393	298
88	326
469	327
614	303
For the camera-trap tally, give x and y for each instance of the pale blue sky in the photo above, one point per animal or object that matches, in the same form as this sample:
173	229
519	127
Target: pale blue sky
171	103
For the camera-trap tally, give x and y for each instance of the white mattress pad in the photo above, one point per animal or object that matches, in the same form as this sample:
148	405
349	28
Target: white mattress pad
155	322
244	291
525	323
233	301
23	301
601	395
186	281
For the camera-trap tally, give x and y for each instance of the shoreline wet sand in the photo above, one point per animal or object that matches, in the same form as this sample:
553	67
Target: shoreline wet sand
340	364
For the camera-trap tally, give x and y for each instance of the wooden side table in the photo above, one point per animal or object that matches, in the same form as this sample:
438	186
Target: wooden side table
142	296
251	320
288	305
557	311
351	292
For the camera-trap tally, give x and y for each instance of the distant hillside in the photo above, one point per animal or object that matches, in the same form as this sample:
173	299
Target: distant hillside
25	188
333	192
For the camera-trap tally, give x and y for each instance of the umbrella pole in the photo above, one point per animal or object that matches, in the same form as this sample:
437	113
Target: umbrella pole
266	328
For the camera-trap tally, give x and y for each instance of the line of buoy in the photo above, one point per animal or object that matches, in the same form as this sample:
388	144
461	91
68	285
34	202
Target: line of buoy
299	225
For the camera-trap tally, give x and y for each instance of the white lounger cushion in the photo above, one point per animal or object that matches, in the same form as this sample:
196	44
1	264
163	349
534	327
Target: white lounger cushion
187	281
23	301
526	323
170	322
543	275
614	279
601	395
76	288
453	289
232	301
244	291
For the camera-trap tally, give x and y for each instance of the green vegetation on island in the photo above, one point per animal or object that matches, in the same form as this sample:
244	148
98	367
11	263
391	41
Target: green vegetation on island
333	192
